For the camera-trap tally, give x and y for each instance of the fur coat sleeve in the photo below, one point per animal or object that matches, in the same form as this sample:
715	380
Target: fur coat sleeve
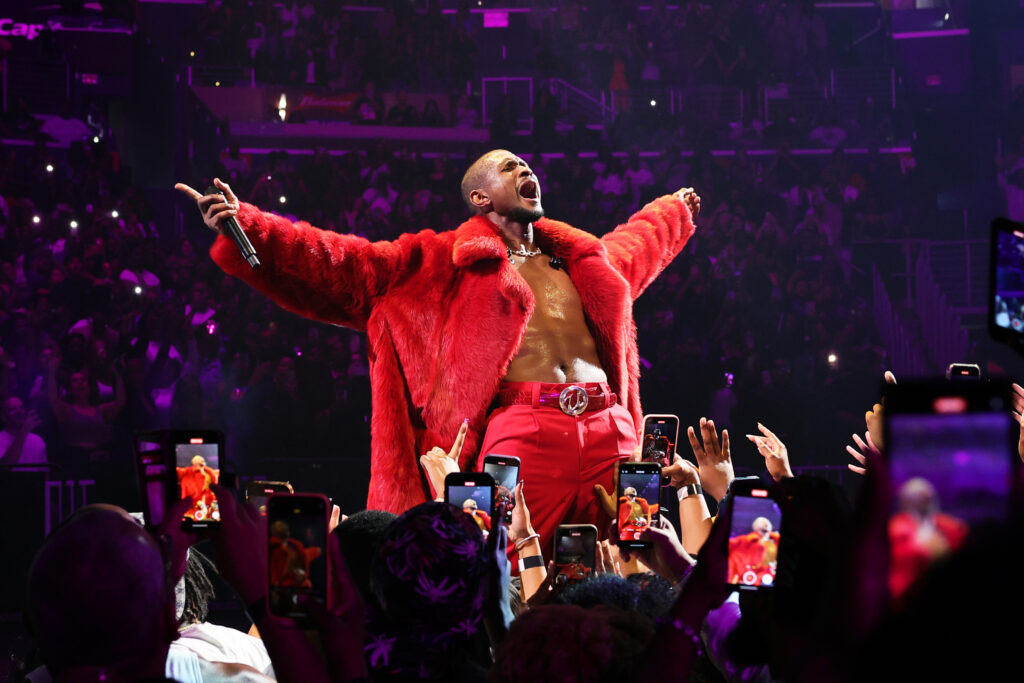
316	273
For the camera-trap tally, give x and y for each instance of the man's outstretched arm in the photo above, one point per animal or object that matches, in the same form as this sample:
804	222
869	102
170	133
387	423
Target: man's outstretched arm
641	248
319	274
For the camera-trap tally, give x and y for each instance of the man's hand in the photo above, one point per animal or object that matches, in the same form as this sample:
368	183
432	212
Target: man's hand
714	459
691	199
776	455
215	207
240	546
437	464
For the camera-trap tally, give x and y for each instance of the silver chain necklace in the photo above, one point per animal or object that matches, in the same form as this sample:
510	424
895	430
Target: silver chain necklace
521	251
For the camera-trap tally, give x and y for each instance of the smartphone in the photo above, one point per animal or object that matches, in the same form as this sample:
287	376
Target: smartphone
952	454
1006	282
505	471
753	536
661	433
296	553
963	371
197	457
473	493
258	492
639	488
175	464
575	551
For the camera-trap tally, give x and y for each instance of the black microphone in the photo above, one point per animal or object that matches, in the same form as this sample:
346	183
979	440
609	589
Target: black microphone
234	231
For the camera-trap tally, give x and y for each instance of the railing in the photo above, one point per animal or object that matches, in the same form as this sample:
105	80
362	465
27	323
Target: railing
599	110
941	329
494	90
960	268
787	100
713	104
905	358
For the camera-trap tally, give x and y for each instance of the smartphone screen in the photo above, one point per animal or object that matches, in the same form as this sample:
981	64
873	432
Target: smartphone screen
575	551
659	440
639	488
474	494
504	469
753	540
952	454
296	553
197	462
258	492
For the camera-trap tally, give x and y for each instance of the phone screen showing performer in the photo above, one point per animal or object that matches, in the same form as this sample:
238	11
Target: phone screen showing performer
259	492
197	466
1006	282
952	452
505	471
659	440
575	551
639	488
296	553
473	493
753	539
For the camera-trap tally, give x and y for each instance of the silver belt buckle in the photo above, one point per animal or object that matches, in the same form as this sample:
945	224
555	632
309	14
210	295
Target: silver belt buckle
573	400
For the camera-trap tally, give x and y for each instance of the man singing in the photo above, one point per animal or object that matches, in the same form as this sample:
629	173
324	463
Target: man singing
517	323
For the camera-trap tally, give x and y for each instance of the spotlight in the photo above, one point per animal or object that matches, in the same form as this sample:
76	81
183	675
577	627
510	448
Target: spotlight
95	139
115	214
833	359
946	18
73	224
191	53
216	84
49	168
138	289
282	107
282	199
36	219
654	103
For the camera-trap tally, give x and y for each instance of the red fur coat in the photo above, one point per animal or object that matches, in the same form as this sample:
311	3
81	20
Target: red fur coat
444	315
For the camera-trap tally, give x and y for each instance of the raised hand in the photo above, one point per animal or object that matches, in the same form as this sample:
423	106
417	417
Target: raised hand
714	459
215	207
691	199
608	502
776	455
1018	412
438	464
520	527
666	557
681	472
860	454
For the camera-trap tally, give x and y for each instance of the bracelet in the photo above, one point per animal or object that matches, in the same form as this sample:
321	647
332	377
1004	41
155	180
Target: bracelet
523	541
685	492
257	609
531	562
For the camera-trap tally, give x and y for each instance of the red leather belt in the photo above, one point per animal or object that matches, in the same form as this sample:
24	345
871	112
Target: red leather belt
571	399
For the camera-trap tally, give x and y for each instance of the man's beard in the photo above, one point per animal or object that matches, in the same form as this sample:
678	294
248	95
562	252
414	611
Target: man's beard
523	215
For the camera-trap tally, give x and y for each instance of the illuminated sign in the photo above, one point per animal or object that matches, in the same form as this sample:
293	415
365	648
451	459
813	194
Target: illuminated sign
10	27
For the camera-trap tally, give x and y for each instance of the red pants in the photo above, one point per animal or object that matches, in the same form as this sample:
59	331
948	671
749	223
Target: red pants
562	458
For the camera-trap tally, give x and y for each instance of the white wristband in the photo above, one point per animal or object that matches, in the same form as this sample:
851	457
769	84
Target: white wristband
689	490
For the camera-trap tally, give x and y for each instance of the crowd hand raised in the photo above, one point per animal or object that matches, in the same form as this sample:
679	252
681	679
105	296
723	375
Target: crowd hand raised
520	527
873	417
776	455
861	452
714	459
691	199
240	546
606	561
665	557
1018	412
180	540
681	472
608	502
438	464
216	208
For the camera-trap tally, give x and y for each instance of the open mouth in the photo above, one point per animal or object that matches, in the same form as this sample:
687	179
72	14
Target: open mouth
529	190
